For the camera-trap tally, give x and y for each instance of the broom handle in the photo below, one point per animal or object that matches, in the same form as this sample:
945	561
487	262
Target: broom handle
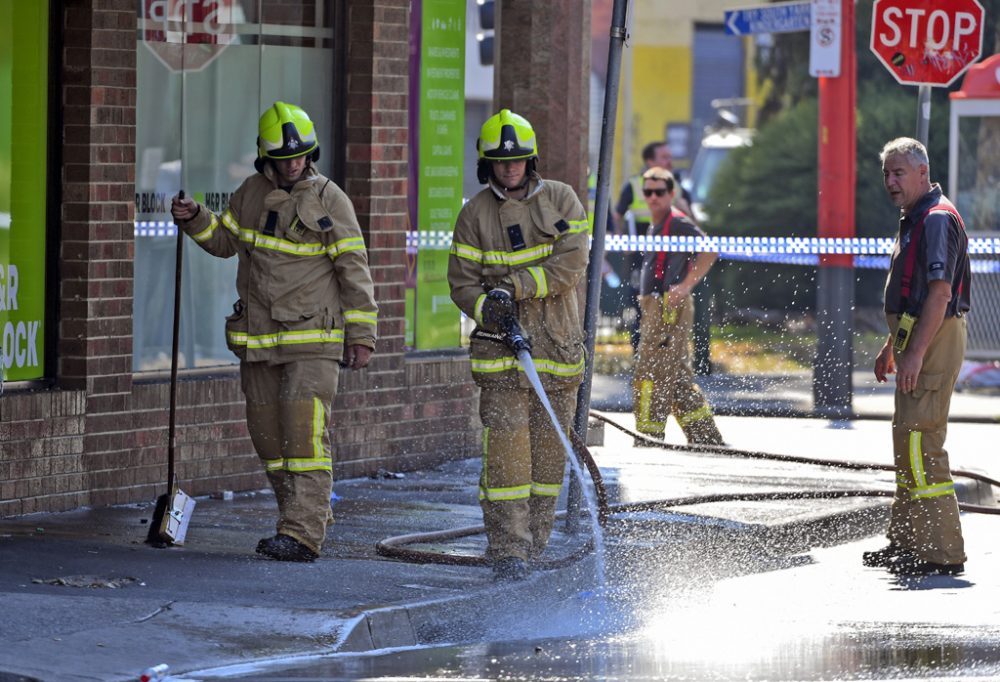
174	348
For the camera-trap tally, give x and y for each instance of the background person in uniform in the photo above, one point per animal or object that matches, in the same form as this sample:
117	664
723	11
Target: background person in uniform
926	298
306	303
663	379
519	249
631	217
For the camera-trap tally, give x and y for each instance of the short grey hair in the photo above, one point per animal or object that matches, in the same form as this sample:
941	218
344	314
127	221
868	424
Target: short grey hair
912	149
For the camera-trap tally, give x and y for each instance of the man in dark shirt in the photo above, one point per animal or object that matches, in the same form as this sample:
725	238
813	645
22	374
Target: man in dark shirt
631	217
663	382
926	299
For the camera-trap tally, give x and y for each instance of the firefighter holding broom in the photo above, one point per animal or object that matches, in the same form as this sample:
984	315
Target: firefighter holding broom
306	307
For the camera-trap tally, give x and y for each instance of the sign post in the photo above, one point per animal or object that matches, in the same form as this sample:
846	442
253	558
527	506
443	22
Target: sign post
927	43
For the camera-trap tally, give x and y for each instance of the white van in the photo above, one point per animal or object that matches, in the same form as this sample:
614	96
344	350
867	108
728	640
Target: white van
715	147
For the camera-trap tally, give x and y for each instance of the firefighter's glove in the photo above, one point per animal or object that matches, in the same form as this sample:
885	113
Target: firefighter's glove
499	311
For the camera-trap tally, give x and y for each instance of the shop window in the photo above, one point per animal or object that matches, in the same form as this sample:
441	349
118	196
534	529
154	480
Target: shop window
206	69
24	64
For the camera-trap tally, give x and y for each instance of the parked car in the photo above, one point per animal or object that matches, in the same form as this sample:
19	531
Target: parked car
717	144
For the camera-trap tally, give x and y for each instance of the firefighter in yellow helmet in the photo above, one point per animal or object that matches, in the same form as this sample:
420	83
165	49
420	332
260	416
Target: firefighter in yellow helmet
306	307
519	249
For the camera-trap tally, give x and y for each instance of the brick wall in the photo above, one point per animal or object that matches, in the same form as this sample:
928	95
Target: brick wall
99	436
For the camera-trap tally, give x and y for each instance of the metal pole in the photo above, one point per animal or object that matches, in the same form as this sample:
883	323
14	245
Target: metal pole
923	113
833	364
618	35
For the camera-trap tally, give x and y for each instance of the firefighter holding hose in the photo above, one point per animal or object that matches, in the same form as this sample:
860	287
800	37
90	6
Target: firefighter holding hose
519	249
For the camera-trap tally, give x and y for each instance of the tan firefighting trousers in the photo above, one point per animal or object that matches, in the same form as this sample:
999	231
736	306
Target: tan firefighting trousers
924	517
523	465
288	414
663	379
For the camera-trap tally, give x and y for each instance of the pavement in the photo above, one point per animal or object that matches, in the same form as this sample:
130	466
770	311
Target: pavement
86	599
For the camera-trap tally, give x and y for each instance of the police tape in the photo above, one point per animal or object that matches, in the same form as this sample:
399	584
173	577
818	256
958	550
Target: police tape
868	252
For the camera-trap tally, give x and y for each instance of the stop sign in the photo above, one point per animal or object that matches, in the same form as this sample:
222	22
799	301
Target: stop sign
185	35
927	42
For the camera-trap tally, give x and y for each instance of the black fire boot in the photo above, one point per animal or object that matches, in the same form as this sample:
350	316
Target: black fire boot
285	548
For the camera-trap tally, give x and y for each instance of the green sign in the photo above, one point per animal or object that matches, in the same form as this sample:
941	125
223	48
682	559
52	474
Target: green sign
24	38
442	120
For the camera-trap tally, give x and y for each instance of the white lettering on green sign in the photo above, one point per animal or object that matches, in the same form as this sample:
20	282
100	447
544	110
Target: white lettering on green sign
19	339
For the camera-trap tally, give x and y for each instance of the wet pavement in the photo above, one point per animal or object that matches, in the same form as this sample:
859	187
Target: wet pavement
777	586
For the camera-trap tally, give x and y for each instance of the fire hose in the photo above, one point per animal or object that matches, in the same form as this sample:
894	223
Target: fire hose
399	547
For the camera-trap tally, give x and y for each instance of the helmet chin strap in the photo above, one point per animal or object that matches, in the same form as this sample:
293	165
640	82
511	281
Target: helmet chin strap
522	185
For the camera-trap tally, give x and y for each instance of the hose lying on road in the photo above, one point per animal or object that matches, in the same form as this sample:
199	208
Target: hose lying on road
399	547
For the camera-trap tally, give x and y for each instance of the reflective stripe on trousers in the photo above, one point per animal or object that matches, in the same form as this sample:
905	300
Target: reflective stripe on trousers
288	415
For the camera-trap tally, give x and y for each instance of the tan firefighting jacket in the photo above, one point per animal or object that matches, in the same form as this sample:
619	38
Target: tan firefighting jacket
536	247
303	280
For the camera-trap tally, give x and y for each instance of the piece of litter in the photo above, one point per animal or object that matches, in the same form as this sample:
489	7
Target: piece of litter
86	581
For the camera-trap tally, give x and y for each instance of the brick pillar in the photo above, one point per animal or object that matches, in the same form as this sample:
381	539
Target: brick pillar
543	70
97	246
376	181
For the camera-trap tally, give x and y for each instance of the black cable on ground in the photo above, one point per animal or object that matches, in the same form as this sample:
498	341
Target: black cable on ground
399	547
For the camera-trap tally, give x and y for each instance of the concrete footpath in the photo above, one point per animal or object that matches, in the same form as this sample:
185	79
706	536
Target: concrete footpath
85	599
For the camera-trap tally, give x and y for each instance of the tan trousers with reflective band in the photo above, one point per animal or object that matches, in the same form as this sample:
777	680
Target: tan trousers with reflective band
288	414
663	379
523	465
924	517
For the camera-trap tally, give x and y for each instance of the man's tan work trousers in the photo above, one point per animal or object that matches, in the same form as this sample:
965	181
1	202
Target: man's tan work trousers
924	517
663	379
523	465
288	414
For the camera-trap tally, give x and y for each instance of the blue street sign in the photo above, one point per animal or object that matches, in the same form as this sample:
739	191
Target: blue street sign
781	17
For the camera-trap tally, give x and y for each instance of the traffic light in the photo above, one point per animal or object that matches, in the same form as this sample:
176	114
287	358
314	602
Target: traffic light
485	35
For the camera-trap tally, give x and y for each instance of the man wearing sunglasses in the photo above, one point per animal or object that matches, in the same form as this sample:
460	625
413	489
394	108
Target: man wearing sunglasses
663	381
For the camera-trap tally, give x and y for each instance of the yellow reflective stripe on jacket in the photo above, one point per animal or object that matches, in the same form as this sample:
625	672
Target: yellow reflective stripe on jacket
542	365
577	226
541	283
510	258
262	241
467	252
285	338
519	257
345	245
477	312
207	233
360	316
545	489
938	490
230	223
703	412
518	492
546	366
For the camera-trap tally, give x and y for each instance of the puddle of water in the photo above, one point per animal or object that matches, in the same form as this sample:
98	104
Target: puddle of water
842	654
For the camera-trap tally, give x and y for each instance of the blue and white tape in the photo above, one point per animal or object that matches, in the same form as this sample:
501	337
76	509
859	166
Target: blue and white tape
868	252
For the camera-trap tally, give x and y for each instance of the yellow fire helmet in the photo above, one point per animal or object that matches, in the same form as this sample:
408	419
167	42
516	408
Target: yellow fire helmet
285	132
507	137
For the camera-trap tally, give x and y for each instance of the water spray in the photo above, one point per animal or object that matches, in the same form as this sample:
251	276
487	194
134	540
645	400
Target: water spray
514	338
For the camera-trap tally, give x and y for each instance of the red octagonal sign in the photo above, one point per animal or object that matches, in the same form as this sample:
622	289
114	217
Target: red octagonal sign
927	42
185	35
